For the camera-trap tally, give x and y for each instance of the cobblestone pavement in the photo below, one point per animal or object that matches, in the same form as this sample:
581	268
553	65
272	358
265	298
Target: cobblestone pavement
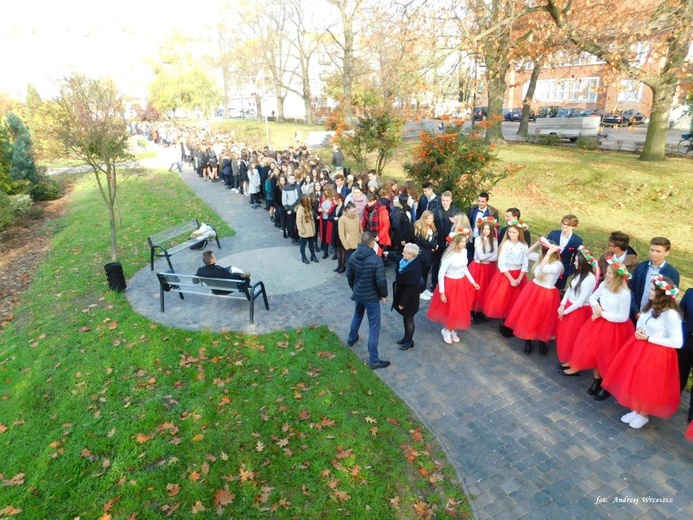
525	441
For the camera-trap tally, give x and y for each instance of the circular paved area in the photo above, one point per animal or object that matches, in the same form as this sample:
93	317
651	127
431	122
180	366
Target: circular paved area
527	442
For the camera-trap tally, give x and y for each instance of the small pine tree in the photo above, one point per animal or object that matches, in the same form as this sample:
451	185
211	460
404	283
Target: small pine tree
21	155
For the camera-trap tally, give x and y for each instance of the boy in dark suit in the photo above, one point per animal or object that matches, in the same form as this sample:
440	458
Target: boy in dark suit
639	284
569	243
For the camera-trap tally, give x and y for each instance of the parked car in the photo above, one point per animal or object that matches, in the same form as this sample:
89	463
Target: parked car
480	113
592	113
568	112
549	111
516	115
624	118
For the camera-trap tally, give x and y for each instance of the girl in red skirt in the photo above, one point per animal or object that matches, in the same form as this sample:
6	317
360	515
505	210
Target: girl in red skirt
452	299
644	375
508	282
575	310
535	313
483	267
601	338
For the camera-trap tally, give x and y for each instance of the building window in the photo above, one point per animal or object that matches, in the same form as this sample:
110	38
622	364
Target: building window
582	90
630	90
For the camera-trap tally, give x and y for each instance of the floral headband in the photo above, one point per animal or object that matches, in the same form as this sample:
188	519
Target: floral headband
618	267
544	242
518	224
669	290
457	231
486	220
588	256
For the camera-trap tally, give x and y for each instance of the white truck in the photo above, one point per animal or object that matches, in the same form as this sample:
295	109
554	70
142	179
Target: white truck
568	127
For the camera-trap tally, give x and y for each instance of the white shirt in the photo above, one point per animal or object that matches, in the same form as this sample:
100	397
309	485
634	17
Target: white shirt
615	306
665	330
512	257
563	241
453	266
578	298
480	255
548	275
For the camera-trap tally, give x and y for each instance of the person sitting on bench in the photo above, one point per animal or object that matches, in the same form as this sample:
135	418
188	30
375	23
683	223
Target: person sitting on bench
212	270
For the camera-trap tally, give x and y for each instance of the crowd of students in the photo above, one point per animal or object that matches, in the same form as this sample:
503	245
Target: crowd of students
614	315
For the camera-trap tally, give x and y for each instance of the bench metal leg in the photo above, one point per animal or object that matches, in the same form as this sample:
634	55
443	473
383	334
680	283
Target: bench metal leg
161	297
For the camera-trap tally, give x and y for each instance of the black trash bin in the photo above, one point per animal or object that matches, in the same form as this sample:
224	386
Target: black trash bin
115	276
346	171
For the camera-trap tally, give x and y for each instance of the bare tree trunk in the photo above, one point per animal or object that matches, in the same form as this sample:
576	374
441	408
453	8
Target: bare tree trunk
258	104
495	79
656	139
527	102
280	106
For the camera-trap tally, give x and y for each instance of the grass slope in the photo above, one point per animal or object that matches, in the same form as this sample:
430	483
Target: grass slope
104	414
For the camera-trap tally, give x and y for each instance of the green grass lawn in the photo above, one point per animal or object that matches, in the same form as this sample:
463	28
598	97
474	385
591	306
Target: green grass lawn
105	414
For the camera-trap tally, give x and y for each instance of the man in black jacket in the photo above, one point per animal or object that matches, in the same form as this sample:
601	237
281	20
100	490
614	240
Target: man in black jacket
443	216
212	270
366	276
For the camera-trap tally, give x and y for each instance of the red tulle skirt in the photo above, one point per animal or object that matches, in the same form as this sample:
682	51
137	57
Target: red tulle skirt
456	313
597	344
482	274
645	377
567	330
501	296
689	432
535	313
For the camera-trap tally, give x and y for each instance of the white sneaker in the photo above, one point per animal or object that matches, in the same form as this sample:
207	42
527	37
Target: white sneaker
447	336
639	422
426	295
629	417
454	336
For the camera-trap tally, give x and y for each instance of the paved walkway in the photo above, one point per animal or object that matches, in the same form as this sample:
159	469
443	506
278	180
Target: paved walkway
525	441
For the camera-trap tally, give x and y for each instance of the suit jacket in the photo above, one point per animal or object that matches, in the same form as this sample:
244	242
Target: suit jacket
490	211
687	309
425	204
567	255
638	285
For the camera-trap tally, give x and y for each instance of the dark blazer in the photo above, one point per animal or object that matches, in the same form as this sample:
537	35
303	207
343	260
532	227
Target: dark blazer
216	271
406	286
366	275
490	211
637	283
425	204
567	255
686	305
443	224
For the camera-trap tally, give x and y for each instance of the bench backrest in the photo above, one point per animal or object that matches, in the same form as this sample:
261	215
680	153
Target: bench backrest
170	234
174	281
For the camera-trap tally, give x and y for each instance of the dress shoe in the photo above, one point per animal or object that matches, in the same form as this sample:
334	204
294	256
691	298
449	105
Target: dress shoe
481	316
506	332
380	364
305	260
325	254
601	395
542	348
352	343
315	260
596	386
407	345
342	270
561	366
334	256
528	347
564	373
401	341
475	320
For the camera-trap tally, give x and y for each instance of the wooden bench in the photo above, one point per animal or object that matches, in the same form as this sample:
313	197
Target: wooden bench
157	242
235	289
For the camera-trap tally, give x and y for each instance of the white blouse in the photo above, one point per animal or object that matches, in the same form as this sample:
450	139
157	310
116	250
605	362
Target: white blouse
548	275
615	306
512	257
578	298
480	255
665	330
453	266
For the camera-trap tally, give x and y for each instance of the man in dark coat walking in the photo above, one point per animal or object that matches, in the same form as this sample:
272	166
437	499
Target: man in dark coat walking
366	276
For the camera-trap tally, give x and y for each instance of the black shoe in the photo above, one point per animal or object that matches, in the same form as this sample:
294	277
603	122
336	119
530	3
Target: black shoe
564	373
342	270
315	260
380	364
352	343
601	395
305	260
596	386
295	242
561	366
528	347
542	348
325	254
335	270
334	256
475	320
401	341
407	345
481	316
505	331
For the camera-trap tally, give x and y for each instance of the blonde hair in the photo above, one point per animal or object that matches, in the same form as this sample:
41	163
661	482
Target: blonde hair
421	227
458	239
617	283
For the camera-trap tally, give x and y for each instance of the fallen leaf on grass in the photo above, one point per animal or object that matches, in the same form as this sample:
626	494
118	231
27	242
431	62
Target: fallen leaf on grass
370	420
205	468
197	508
394	502
172	489
259	446
194	476
3	428
10	510
17	480
223	497
435	477
198	437
140	438
343	454
373	431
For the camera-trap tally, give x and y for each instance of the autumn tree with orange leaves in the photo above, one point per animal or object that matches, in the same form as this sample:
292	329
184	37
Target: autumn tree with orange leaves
646	41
